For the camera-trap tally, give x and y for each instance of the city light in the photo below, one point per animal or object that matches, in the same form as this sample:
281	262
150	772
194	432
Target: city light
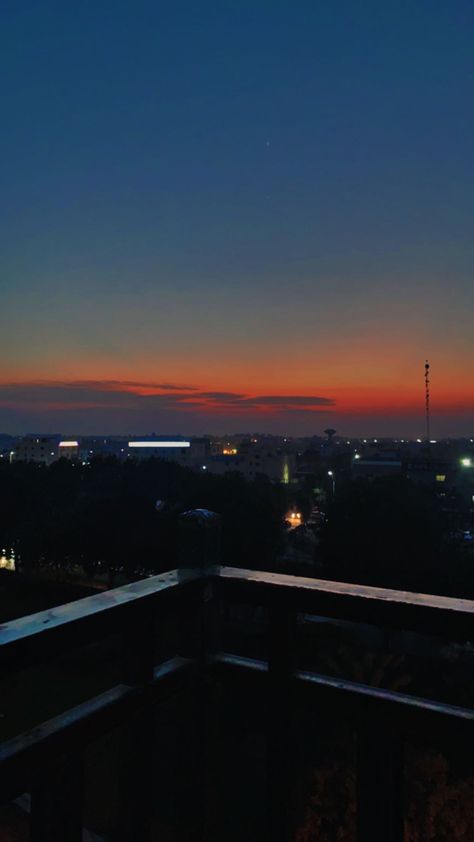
68	444
466	462
7	560
159	444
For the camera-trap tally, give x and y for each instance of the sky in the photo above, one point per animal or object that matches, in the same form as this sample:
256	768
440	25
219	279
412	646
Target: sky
236	215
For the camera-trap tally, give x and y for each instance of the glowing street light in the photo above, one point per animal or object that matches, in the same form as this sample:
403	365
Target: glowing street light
466	462
331	474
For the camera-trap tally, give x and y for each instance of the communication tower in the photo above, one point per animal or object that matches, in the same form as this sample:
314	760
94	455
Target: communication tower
427	400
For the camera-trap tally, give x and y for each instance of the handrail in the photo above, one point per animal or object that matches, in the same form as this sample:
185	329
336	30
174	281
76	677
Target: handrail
407	712
369	592
427	613
83	723
56	628
383	718
321	595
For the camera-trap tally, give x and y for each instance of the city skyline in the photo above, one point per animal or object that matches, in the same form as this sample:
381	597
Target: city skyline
255	216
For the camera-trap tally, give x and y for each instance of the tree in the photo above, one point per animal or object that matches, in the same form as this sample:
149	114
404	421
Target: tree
392	533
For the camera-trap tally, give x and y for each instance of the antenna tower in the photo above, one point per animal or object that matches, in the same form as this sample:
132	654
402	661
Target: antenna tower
427	400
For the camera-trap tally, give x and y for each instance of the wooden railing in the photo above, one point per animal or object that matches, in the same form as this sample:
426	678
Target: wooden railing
47	760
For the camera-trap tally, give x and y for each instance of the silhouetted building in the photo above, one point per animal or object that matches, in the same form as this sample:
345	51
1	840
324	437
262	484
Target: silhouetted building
42	449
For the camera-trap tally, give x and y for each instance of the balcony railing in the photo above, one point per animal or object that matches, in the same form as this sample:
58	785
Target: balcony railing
48	760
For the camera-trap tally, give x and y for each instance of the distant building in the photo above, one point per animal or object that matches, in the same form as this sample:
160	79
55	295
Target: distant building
276	465
90	447
191	453
43	449
454	475
429	472
372	468
68	449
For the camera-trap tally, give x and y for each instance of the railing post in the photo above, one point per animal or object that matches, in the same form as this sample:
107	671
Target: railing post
199	540
57	801
200	534
282	625
379	784
135	809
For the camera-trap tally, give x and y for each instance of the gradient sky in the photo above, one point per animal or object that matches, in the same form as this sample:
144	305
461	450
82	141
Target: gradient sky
236	215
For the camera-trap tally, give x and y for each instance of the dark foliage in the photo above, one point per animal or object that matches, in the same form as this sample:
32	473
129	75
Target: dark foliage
392	533
104	513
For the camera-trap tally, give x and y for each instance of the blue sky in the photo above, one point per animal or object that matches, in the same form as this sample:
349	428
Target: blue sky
270	198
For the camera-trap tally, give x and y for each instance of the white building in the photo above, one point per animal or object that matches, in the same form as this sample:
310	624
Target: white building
191	453
68	450
42	449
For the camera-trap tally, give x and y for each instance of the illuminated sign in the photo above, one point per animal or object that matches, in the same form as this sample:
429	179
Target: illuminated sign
68	444
159	444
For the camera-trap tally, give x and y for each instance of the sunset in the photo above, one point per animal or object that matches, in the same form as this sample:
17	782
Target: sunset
393	408
236	420
295	224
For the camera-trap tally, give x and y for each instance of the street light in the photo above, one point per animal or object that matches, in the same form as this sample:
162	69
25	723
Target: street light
466	462
331	474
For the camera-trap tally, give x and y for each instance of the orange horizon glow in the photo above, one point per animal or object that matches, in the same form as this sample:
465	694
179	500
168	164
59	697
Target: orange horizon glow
393	400
355	375
263	387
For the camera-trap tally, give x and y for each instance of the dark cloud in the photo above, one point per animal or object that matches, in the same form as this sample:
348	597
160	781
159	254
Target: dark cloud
242	402
123	405
291	400
222	396
105	391
107	385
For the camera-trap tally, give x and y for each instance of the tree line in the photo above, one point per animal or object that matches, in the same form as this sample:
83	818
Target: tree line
104	514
